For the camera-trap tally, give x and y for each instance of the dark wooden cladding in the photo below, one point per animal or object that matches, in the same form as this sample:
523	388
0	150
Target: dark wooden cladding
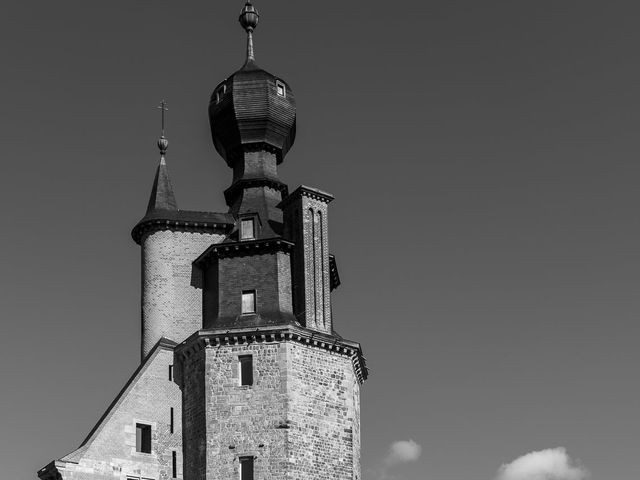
251	115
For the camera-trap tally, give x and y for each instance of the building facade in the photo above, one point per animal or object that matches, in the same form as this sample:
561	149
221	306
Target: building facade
242	373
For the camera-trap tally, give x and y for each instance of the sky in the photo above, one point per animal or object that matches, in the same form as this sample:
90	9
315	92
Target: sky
484	160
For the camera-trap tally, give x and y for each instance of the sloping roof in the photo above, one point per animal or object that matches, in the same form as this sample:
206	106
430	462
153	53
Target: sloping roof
162	196
76	455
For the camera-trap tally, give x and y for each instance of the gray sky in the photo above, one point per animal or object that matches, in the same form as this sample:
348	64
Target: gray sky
484	159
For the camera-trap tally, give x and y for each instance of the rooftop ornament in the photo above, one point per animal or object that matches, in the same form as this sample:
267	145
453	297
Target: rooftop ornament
249	20
163	143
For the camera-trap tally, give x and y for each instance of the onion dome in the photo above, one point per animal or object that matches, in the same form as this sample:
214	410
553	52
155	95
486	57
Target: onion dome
252	109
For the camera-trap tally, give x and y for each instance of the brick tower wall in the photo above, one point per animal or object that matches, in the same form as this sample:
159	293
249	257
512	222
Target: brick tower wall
171	287
306	224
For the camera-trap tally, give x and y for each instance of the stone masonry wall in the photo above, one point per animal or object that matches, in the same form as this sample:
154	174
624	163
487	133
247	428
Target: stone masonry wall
111	452
324	412
299	419
246	420
171	289
192	379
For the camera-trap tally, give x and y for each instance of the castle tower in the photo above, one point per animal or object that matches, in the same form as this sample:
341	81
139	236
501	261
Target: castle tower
269	389
170	239
242	373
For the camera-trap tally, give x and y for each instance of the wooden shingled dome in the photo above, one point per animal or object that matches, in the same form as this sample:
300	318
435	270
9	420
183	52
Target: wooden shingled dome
252	110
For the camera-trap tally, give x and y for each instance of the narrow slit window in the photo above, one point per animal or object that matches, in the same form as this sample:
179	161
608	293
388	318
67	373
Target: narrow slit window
171	420
247	229
143	438
246	468
281	88
171	373
174	464
220	93
245	367
248	301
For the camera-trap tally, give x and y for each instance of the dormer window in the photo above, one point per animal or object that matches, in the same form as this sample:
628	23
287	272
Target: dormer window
222	89
247	228
281	89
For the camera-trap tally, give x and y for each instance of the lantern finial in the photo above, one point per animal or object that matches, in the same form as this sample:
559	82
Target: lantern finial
249	20
163	143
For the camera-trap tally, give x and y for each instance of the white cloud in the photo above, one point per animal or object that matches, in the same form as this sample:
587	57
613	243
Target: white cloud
551	464
403	451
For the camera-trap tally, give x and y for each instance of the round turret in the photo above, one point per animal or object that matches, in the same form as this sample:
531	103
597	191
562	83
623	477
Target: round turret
252	109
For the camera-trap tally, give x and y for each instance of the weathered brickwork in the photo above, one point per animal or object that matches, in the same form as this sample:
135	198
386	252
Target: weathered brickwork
110	453
226	278
298	419
171	287
306	224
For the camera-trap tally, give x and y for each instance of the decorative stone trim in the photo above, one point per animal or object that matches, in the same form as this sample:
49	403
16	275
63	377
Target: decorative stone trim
304	191
149	225
244	248
204	339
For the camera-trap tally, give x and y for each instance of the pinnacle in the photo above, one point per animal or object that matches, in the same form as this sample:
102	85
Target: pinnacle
162	196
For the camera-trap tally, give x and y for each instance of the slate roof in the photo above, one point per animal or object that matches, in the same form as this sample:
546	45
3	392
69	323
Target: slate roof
162	196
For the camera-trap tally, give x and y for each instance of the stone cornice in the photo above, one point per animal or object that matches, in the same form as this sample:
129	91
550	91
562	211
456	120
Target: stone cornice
304	191
182	220
244	248
214	338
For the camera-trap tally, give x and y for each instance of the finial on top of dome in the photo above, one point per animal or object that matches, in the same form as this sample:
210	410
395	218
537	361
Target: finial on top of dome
163	143
249	20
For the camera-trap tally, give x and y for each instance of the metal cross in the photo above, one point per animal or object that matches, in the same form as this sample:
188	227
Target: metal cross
163	108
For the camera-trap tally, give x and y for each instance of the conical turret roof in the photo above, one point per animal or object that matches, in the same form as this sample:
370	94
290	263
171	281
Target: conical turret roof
162	196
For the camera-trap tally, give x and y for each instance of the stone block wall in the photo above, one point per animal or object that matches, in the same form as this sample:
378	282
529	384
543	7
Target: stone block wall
171	287
324	412
298	420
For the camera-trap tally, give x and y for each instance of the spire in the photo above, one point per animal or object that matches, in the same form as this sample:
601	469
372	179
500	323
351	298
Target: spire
249	20
162	197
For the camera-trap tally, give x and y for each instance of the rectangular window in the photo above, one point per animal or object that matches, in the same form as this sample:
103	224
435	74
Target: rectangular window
171	373
281	89
248	301
245	367
247	229
143	438
246	468
171	420
174	464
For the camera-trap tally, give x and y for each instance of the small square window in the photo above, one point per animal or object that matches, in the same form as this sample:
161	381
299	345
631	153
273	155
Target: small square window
281	89
247	229
248	301
143	438
246	468
245	367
